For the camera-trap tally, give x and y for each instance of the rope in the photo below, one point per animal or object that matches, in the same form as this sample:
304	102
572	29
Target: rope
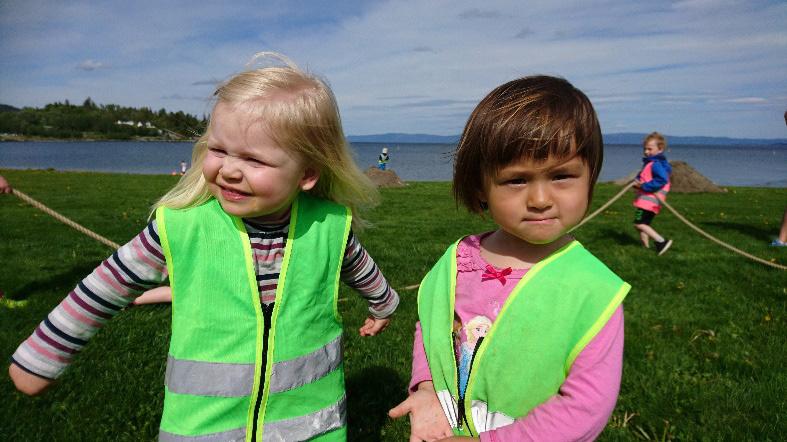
674	212
601	209
685	221
24	197
720	242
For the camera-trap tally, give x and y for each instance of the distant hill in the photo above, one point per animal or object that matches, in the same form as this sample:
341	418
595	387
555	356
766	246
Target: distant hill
636	138
404	138
90	121
616	138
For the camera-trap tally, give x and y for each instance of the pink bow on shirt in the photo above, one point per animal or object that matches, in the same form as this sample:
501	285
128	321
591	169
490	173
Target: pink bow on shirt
492	273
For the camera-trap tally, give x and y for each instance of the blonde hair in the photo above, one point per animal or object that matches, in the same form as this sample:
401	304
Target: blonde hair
475	322
299	112
661	142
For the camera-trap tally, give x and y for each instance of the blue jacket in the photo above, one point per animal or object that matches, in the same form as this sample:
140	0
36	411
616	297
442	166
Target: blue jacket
661	171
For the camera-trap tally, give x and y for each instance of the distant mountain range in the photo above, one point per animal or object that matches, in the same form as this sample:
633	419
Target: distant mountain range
616	138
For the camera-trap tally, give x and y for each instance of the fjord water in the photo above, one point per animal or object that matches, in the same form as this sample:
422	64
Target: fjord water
758	166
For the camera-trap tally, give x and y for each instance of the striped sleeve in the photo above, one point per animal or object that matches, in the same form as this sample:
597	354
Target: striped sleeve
361	273
135	267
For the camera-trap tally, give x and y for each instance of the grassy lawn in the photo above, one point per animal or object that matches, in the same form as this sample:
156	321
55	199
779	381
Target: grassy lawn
706	330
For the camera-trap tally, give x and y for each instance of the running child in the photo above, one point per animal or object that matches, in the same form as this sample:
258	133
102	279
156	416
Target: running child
652	184
254	239
543	316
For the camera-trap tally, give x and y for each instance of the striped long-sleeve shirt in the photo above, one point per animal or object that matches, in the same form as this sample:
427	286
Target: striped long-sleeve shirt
140	265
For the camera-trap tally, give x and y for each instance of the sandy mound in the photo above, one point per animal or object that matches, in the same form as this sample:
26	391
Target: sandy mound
384	178
684	179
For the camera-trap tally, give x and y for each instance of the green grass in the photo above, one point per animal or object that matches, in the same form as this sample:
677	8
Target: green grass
706	330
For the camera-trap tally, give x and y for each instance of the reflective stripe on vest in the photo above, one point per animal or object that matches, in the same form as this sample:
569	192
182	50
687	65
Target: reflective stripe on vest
209	378
229	380
483	419
308	368
236	435
524	358
220	385
308	426
651	201
299	428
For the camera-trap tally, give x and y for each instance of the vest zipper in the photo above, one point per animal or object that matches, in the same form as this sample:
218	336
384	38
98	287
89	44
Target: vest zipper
461	404
267	313
460	396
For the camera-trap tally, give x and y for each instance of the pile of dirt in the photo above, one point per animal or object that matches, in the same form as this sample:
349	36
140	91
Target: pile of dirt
384	178
684	179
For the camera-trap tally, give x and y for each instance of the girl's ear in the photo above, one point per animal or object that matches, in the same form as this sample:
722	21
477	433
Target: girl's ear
310	177
481	195
482	200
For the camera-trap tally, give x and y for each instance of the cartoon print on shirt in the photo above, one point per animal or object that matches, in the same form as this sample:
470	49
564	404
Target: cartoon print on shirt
475	330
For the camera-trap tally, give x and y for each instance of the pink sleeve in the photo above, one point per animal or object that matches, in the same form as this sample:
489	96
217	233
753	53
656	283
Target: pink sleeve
580	411
420	371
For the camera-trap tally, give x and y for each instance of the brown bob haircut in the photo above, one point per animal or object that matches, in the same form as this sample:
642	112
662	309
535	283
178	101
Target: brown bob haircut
532	118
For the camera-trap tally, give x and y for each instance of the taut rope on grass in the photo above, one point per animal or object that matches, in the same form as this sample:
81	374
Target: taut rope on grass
685	221
40	206
602	208
674	212
720	242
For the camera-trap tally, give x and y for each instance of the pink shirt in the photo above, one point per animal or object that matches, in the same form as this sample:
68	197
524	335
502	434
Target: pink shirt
585	401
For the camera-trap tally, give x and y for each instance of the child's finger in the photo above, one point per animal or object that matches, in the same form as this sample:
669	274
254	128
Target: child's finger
403	409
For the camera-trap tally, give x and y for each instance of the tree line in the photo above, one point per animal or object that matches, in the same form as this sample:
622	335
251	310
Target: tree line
92	121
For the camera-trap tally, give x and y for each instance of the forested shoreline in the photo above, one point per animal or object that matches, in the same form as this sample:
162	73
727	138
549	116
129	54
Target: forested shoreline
90	121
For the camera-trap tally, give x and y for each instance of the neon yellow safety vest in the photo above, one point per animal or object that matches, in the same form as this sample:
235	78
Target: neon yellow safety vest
239	371
546	321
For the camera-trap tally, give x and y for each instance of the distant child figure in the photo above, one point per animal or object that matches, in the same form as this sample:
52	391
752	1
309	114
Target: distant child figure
183	167
781	241
5	187
543	316
382	159
254	238
653	184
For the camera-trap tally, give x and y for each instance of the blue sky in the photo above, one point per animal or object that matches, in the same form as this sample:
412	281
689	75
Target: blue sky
691	67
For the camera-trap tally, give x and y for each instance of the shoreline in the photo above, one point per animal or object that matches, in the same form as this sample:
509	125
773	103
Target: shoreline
174	172
23	139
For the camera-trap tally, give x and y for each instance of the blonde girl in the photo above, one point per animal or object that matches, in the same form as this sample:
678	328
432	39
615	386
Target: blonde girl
254	239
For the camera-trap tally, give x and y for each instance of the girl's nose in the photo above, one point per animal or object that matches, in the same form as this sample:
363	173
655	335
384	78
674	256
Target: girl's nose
230	168
538	196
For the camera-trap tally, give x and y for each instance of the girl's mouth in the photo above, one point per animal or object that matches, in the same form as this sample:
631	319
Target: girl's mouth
232	194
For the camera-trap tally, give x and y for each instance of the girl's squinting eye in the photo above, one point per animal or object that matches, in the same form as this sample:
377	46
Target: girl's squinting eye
562	176
217	152
255	162
516	181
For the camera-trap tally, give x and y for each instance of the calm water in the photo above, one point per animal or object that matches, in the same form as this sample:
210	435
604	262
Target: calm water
761	166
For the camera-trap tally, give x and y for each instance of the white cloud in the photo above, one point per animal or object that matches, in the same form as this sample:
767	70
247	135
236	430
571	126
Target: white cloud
90	65
642	63
746	100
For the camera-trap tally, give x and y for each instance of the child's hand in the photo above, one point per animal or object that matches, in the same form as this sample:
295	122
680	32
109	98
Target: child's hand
427	421
27	383
371	326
